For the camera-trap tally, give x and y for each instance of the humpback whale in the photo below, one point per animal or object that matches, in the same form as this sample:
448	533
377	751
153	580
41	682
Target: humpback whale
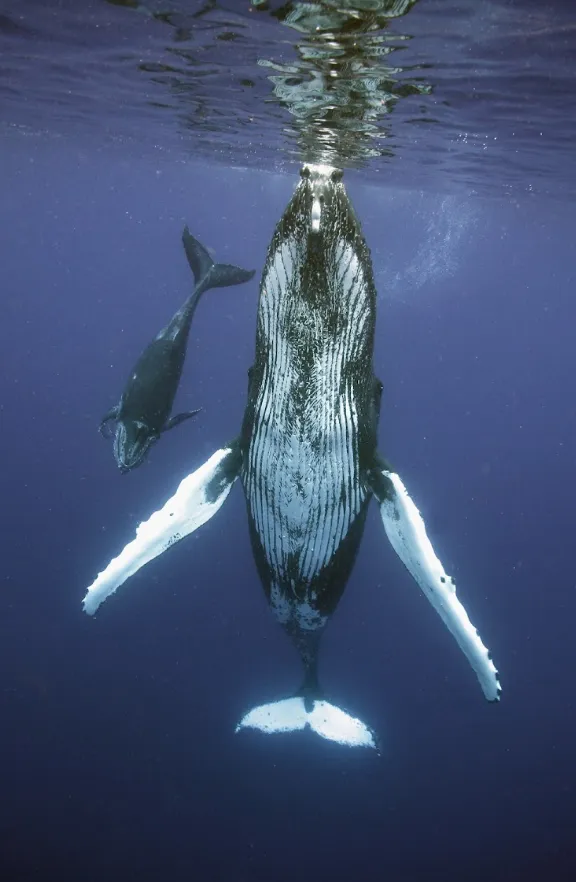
307	458
143	412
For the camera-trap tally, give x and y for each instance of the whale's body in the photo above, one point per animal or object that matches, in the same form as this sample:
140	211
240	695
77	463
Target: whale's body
307	456
309	432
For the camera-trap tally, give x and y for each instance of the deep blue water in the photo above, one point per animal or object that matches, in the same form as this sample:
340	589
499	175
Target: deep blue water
118	755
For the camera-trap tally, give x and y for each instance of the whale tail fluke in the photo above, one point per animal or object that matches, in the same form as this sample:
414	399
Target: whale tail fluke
208	274
299	712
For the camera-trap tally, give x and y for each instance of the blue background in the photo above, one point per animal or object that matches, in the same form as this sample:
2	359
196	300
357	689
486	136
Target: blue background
119	758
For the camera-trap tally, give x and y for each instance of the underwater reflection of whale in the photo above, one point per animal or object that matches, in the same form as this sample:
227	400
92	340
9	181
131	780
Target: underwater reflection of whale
143	412
307	457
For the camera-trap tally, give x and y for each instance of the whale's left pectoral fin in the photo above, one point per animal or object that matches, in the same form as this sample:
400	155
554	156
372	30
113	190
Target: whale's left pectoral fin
407	534
198	497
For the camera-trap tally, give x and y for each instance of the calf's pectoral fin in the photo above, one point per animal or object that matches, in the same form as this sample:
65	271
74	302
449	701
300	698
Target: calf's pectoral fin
179	418
108	417
196	500
406	531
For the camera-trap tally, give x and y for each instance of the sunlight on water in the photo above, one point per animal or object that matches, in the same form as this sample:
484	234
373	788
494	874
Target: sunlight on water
266	85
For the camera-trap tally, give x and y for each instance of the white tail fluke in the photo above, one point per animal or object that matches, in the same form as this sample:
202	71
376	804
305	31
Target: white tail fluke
327	720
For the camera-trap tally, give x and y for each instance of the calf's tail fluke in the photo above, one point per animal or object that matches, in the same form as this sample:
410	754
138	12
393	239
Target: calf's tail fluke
208	274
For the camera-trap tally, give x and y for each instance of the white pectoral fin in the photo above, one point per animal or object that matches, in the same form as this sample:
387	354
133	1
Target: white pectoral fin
198	497
327	720
407	534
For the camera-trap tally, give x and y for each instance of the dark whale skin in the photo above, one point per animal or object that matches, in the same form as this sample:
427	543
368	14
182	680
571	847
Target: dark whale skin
310	427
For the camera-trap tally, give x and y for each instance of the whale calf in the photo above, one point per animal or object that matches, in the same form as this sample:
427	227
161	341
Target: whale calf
143	412
307	458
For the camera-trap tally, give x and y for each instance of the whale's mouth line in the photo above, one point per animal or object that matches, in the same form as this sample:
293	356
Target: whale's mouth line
130	456
127	463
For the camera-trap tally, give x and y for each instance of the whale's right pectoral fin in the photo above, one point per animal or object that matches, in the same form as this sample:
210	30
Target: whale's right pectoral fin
198	497
407	534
